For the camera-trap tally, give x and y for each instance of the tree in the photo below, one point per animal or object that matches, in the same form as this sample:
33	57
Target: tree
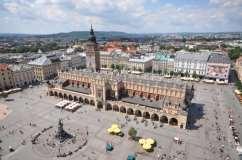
117	67
239	85
194	75
165	72
132	132
112	66
162	47
186	74
235	53
171	73
159	72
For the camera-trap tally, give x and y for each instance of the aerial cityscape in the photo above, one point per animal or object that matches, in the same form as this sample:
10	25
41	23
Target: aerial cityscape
121	80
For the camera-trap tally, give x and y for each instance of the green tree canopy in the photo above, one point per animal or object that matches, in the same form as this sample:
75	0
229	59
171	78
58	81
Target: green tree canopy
235	53
112	66
132	132
239	85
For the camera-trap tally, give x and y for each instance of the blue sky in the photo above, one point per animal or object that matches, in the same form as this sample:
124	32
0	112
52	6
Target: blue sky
134	16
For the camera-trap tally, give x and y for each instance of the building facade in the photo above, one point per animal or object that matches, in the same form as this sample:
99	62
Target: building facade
23	75
218	67
141	63
74	61
191	63
45	67
114	59
129	94
163	63
6	77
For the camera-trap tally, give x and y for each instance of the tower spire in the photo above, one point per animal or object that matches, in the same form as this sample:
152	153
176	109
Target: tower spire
91	31
92	36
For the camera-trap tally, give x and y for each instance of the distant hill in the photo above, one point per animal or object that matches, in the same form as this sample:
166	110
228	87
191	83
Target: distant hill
101	35
107	35
84	35
80	35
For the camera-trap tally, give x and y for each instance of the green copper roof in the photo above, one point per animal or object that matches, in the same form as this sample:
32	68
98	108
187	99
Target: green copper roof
161	56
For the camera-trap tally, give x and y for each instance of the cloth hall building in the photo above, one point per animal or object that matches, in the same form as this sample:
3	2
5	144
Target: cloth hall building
148	97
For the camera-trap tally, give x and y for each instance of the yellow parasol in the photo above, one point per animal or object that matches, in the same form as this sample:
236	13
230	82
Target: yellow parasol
114	125
142	141
110	130
150	141
116	130
146	146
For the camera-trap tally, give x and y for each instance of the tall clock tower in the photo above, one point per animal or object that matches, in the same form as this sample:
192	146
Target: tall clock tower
92	53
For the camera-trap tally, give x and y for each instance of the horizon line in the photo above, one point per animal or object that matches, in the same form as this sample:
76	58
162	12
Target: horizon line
22	33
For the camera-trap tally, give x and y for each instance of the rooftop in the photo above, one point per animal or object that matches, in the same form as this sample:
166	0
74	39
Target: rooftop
3	67
162	56
218	58
153	103
79	89
142	59
20	67
45	60
192	56
152	80
116	53
41	61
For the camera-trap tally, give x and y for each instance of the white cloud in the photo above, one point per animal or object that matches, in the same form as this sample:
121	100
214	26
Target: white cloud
126	15
227	3
12	7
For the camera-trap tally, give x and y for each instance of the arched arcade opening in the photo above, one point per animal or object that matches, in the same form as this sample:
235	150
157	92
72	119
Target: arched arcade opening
130	111
92	103
122	109
115	108
146	115
75	99
173	122
65	96
154	117
60	95
81	99
70	98
99	105
164	119
138	113
108	107
86	101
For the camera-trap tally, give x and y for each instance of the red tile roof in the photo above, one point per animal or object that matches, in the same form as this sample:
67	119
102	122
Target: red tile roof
3	67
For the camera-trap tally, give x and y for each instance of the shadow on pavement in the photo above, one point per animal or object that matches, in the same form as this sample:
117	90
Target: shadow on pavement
196	112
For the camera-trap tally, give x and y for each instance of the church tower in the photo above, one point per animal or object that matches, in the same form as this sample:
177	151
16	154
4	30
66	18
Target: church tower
92	53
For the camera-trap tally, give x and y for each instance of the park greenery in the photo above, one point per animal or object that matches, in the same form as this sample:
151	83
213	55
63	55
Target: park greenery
33	48
117	66
132	133
239	85
235	53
